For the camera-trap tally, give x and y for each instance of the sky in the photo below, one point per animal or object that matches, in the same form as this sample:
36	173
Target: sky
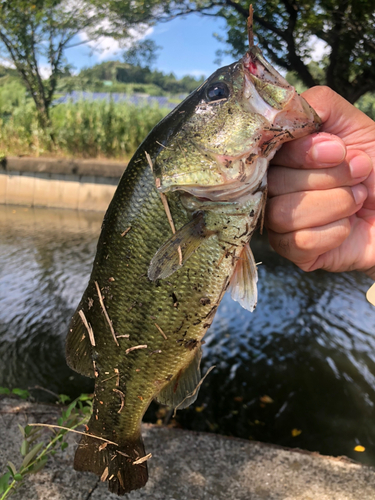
187	47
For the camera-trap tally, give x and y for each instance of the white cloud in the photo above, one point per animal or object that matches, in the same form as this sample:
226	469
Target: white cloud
45	71
106	47
319	49
7	63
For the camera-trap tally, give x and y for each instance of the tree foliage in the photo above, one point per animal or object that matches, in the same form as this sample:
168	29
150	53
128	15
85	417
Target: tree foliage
287	31
33	32
122	72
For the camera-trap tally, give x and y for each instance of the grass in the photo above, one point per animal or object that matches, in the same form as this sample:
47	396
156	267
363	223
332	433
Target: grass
36	448
87	129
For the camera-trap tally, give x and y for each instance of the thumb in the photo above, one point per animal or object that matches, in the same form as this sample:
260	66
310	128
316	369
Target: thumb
338	116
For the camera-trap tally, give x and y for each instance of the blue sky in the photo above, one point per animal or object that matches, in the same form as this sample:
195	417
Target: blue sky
188	47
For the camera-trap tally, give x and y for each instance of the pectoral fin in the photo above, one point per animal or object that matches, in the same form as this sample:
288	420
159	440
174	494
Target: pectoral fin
176	251
243	284
185	383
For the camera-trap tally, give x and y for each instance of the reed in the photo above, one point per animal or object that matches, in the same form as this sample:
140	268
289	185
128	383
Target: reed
87	129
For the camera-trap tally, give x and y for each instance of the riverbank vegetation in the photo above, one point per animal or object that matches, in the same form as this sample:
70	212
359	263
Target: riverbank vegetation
86	129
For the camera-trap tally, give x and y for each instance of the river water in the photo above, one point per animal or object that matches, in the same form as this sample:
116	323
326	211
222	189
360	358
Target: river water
299	371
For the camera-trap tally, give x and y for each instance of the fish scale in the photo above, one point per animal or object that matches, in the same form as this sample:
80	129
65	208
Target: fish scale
159	291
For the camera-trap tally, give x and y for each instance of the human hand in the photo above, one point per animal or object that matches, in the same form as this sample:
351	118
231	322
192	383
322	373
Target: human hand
321	211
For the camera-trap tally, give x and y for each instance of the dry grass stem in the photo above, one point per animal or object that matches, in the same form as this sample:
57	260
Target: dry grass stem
135	348
122	336
126	231
106	314
72	430
161	331
88	327
142	459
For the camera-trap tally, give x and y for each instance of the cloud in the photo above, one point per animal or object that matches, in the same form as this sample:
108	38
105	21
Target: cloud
7	62
45	71
318	48
106	47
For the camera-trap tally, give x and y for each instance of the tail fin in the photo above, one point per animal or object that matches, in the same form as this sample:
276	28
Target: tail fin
113	463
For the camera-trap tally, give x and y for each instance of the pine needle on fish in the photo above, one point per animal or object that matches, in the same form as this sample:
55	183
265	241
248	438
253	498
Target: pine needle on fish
88	327
161	331
142	459
106	314
166	209
135	348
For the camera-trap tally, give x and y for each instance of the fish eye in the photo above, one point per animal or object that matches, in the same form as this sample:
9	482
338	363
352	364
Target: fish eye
216	91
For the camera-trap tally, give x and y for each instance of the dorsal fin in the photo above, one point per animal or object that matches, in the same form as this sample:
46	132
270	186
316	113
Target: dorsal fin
243	284
176	251
184	383
79	348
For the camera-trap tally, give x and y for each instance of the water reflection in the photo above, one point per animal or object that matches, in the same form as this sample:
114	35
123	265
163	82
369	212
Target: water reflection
309	346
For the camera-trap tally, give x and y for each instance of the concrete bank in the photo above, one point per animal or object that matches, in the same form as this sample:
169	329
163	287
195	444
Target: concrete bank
59	183
190	466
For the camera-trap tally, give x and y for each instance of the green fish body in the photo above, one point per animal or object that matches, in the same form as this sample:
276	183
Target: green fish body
153	293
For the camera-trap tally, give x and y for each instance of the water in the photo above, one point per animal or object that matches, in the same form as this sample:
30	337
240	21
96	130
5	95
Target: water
299	371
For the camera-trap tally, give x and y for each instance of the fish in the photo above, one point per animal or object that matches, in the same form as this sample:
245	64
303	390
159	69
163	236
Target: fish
174	239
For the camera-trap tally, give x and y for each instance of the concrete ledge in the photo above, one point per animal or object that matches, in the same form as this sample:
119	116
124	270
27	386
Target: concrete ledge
190	466
65	166
57	190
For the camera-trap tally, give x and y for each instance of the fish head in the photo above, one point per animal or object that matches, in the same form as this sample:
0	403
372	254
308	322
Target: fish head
233	125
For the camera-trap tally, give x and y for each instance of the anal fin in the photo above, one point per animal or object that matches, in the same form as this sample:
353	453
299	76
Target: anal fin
79	348
243	283
176	393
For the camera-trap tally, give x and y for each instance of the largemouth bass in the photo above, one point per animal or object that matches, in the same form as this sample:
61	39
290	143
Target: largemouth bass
174	239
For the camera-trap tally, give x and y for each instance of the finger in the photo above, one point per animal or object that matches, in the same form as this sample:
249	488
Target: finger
313	151
355	169
305	247
308	209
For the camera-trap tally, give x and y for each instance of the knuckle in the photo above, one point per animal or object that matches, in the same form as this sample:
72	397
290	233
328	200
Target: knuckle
280	214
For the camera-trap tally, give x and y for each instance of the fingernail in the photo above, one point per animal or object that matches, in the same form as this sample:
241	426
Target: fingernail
359	193
360	166
328	152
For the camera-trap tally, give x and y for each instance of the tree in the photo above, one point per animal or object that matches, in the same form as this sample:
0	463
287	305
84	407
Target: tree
34	31
286	30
